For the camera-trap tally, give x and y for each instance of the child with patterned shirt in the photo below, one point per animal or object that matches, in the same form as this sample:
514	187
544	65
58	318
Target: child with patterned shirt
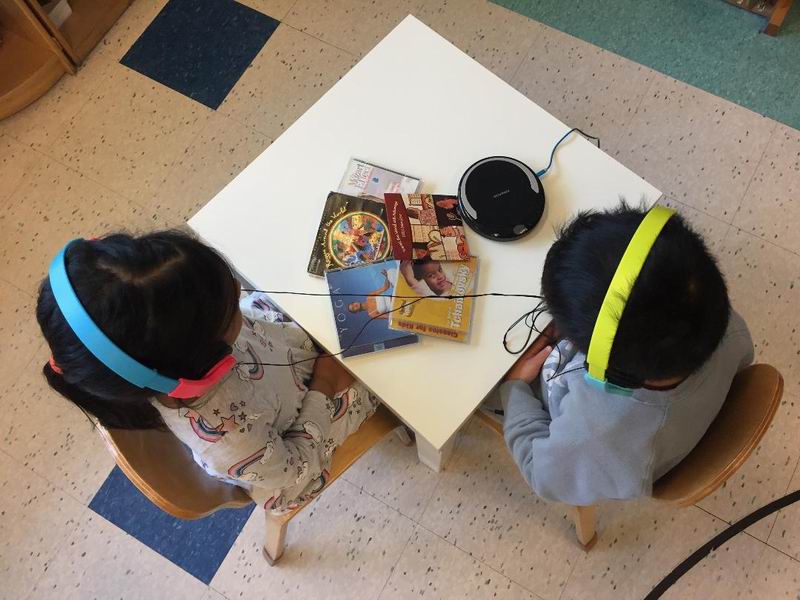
173	304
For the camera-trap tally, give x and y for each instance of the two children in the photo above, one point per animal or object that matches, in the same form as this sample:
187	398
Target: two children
173	304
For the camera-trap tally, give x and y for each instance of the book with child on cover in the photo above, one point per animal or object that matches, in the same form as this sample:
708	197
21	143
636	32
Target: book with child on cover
425	226
367	180
362	315
425	312
352	231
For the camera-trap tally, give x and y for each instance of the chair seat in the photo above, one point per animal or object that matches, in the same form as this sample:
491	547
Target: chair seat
731	438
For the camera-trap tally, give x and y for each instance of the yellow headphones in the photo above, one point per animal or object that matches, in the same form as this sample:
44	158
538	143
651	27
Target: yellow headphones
605	327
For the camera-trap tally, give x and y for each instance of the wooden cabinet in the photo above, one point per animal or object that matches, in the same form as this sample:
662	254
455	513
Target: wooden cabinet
35	53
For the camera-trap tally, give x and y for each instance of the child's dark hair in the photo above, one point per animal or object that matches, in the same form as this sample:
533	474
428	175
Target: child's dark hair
678	309
164	298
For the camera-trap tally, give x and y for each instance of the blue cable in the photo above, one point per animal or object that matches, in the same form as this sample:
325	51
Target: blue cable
558	143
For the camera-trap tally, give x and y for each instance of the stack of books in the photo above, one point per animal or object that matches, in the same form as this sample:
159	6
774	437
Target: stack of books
396	261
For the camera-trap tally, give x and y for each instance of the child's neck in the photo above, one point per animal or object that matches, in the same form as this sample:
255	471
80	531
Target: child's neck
172	402
663	385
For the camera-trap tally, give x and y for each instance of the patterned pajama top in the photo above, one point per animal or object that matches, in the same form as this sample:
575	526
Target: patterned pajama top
261	427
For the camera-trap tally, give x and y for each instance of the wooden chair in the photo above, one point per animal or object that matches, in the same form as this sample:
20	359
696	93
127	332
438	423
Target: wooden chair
774	10
163	469
732	437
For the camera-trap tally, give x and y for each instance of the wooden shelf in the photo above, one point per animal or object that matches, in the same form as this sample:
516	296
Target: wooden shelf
89	22
29	70
34	53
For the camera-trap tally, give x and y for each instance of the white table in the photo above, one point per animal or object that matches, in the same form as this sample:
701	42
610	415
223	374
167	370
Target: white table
417	104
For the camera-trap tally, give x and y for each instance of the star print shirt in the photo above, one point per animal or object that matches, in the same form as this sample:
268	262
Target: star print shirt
262	428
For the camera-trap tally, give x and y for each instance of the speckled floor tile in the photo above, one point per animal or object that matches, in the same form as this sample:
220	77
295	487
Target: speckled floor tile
584	86
695	147
130	134
19	332
771	208
221	151
483	506
213	595
277	9
101	561
52	206
766	474
392	473
290	73
728	572
16	159
52	437
125	32
352	25
764	284
639	543
785	535
343	546
776	577
41	123
35	520
494	36
433	568
713	230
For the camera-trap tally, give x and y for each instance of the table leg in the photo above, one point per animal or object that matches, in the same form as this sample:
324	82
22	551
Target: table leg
431	457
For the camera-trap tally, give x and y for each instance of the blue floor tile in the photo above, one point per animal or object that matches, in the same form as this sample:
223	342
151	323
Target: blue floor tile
200	48
198	547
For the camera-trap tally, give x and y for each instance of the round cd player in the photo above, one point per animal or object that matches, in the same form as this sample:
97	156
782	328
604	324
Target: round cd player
500	198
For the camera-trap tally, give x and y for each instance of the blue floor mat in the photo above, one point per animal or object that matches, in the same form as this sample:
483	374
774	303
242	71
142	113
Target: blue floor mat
198	547
200	48
710	44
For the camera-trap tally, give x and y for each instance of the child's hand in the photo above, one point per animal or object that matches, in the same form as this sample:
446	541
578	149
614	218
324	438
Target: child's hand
330	377
529	365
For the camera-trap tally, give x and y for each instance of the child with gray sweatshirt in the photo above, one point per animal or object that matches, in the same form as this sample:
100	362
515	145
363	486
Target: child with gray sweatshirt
677	348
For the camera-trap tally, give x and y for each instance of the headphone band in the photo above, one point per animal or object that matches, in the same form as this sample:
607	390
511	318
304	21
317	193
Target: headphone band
618	292
111	355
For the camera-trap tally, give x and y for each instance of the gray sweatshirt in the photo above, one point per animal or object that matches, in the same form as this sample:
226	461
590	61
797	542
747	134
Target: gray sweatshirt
579	445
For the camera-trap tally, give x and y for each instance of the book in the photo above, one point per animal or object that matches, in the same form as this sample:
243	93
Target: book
427	314
364	179
352	231
362	316
425	226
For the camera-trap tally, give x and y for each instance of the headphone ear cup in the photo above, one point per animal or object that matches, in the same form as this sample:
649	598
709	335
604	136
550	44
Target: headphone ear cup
193	388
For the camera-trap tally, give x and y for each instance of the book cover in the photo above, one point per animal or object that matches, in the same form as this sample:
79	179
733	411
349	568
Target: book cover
427	314
365	179
425	226
362	315
352	231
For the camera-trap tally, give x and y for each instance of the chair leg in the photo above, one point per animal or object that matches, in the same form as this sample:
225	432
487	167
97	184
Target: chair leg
584	518
276	538
403	435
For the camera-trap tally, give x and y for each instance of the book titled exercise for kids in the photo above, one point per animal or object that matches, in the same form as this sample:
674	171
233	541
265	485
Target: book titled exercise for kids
352	232
425	226
426	312
365	179
362	316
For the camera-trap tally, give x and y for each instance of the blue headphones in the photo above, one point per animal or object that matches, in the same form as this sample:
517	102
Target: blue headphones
111	355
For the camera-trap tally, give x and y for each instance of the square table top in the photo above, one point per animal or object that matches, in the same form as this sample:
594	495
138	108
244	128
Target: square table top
419	105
